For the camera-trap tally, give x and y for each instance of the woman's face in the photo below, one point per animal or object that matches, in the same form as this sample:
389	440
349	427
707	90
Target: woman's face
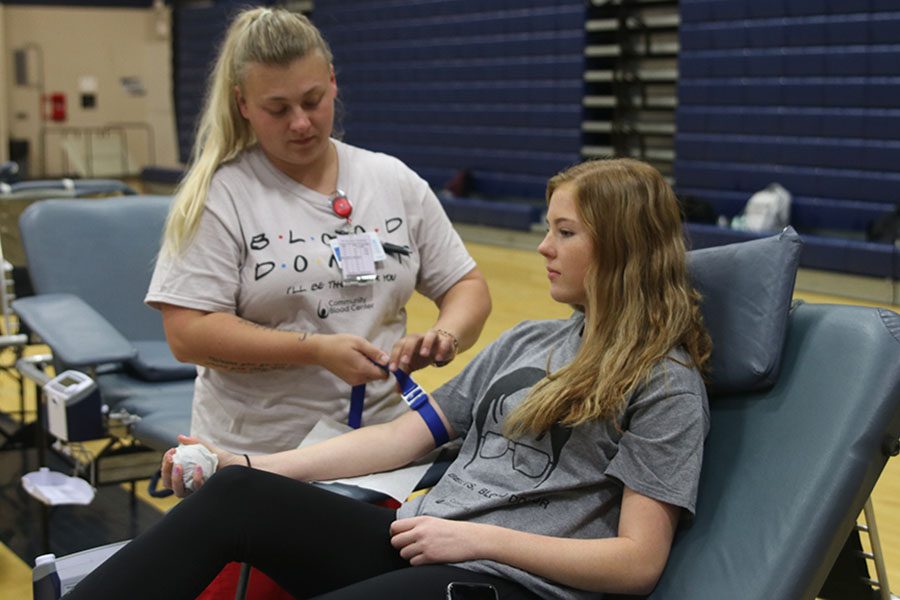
291	111
567	248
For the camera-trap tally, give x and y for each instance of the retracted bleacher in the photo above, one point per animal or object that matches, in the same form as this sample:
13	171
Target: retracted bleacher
495	88
804	94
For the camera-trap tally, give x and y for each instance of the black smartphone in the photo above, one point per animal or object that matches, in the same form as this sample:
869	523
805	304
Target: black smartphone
458	590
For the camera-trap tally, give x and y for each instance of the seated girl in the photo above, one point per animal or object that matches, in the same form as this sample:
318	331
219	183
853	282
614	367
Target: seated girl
582	443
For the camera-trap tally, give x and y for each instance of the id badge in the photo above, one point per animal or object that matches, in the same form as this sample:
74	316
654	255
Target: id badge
355	257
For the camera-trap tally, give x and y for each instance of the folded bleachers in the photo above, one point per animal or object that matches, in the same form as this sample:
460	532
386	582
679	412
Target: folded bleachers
868	123
803	93
437	112
492	88
197	29
160	180
853	184
837	155
808	213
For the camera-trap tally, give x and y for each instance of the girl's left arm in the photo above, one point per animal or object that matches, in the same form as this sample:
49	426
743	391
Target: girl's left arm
630	563
462	312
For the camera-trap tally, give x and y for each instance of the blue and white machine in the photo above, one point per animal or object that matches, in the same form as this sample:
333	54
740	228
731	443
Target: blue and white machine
73	407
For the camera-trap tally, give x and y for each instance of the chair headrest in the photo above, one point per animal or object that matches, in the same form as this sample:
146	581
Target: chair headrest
747	289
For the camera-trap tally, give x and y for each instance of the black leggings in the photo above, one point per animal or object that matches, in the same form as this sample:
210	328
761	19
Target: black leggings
314	543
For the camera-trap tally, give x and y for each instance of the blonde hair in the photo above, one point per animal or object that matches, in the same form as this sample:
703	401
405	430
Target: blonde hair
268	36
640	303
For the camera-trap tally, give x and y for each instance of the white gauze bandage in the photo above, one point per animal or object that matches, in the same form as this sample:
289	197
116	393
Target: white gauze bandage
195	455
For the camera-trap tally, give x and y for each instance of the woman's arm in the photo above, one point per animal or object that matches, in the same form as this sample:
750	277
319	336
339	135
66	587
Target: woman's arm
630	563
227	342
370	449
462	312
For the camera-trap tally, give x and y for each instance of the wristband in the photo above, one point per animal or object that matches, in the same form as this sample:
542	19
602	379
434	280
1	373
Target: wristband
417	400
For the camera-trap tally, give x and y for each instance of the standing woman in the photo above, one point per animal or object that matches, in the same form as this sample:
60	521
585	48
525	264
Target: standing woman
582	443
248	282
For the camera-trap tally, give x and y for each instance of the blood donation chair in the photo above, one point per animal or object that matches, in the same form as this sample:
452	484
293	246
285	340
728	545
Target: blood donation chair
16	197
805	411
16	428
787	470
68	188
90	263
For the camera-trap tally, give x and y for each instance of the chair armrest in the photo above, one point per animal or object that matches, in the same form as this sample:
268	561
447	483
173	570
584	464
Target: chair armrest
78	335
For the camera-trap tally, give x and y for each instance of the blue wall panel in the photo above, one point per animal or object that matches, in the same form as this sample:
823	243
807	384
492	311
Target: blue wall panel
197	32
803	92
198	29
494	87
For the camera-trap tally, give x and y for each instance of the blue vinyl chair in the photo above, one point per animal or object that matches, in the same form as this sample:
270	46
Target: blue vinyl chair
16	197
90	263
805	412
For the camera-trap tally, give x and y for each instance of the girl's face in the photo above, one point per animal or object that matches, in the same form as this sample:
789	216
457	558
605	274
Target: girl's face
567	248
291	111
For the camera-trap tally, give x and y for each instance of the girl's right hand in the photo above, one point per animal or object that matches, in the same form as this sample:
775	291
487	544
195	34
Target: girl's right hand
351	357
172	475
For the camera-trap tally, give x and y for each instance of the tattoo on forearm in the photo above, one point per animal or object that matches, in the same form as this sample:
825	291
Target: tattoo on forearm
301	336
223	364
234	366
256	325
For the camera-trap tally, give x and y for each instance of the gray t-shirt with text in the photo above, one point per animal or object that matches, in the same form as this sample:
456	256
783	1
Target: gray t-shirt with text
262	252
569	481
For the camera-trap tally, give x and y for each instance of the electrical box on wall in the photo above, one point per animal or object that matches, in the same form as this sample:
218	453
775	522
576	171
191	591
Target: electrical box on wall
87	89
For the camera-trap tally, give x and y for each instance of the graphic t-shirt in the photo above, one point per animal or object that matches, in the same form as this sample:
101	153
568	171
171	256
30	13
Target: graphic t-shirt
569	481
262	252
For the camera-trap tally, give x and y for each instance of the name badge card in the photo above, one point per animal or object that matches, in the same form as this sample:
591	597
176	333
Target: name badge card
355	257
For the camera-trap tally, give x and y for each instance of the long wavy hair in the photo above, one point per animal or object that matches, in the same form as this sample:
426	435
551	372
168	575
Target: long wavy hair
268	36
640	302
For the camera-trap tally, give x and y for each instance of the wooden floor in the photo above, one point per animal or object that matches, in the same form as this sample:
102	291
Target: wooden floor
519	289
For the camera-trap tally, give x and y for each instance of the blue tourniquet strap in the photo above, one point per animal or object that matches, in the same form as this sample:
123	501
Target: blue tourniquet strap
417	400
414	396
357	399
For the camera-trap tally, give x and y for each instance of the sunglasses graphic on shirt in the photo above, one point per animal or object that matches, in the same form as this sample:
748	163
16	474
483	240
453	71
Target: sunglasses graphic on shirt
527	460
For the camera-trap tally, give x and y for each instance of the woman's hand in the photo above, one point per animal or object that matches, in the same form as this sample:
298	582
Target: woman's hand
428	540
350	357
417	350
172	477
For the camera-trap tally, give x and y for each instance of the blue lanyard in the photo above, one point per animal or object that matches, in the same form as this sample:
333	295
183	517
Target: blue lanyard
414	396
